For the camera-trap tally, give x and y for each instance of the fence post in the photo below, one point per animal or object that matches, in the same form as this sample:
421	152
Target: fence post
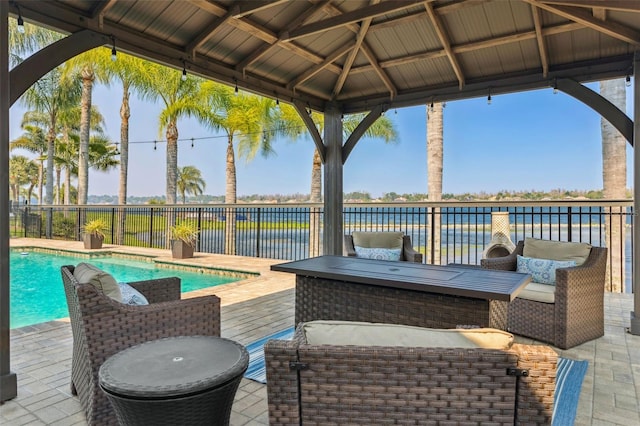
151	229
569	224
258	234
199	227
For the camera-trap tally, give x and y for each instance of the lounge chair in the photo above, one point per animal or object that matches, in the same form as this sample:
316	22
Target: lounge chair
566	314
311	382
102	326
386	241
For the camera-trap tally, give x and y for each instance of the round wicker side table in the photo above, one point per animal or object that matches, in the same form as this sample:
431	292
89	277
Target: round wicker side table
187	380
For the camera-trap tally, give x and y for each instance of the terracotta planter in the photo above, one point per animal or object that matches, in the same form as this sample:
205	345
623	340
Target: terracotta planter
92	241
181	250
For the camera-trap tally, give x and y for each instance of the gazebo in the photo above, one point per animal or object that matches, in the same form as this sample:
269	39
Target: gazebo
340	57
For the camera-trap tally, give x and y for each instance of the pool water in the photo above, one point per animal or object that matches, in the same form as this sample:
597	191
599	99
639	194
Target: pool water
37	293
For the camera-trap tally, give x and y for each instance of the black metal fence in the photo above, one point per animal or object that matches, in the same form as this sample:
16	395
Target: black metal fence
460	230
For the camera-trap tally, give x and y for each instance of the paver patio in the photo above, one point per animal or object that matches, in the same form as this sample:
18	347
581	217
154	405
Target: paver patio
261	305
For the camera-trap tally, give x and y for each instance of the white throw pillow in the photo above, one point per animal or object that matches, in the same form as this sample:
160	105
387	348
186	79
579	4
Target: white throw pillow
86	273
131	296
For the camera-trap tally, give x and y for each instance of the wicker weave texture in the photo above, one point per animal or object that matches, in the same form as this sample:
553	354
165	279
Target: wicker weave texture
101	327
318	298
357	385
577	315
207	408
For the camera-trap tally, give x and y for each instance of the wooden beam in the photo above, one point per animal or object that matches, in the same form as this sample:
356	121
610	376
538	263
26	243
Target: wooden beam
210	30
248	7
364	27
612	29
351	17
619	5
542	44
319	67
393	91
311	127
441	32
360	130
600	13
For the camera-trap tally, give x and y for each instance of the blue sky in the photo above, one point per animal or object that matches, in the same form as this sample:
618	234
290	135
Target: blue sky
535	140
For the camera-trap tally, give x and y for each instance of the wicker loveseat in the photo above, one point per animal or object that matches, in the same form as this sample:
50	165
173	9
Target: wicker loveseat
384	240
575	313
342	383
102	326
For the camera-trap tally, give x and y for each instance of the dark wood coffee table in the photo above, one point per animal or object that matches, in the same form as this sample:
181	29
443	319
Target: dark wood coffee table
356	289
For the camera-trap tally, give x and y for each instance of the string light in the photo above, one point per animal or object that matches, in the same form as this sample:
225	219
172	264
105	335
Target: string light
627	81
114	54
184	71
555	86
155	145
236	88
20	21
278	104
191	142
489	97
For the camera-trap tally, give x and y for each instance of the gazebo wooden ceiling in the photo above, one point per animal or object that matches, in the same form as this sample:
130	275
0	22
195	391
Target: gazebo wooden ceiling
361	53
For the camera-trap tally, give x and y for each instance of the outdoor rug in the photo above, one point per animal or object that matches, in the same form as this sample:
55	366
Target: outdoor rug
256	370
569	377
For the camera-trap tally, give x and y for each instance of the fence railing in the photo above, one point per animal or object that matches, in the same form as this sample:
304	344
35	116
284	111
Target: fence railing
445	232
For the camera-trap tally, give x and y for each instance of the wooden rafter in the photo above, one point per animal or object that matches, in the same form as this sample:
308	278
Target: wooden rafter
446	44
210	30
575	14
319	67
101	9
366	49
362	32
350	18
600	13
620	5
542	44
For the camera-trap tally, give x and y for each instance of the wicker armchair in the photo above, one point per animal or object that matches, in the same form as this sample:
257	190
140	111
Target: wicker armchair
577	314
330	384
102	326
408	253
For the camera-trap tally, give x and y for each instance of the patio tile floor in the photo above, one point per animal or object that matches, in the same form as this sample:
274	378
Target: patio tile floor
258	306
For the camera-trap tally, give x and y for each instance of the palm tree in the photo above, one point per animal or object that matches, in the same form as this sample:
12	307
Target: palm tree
190	182
254	120
160	83
33	140
614	178
88	67
435	148
22	171
128	70
50	96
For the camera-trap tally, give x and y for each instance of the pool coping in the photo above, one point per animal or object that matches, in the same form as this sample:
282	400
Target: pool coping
149	258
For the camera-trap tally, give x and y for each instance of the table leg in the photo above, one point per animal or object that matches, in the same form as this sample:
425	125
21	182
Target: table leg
498	310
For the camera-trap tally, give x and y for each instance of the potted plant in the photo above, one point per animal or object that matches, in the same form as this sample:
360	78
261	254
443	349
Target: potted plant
94	233
183	240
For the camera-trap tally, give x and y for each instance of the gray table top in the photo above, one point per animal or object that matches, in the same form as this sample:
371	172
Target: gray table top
451	280
173	367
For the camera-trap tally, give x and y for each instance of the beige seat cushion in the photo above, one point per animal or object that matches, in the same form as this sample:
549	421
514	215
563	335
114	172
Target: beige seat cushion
390	240
324	332
86	273
539	292
556	250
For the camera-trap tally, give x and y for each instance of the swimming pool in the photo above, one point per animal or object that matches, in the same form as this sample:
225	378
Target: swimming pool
37	293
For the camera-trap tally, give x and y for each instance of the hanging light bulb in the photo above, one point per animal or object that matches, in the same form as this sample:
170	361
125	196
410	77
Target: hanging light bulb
184	74
20	22
155	147
191	142
114	53
489	97
278	104
236	89
627	81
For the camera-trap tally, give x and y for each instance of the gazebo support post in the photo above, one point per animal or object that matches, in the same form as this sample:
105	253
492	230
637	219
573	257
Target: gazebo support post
333	183
635	262
8	380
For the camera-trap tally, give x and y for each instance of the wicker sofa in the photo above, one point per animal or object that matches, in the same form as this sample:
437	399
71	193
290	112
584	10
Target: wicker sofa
314	384
102	326
384	240
577	312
